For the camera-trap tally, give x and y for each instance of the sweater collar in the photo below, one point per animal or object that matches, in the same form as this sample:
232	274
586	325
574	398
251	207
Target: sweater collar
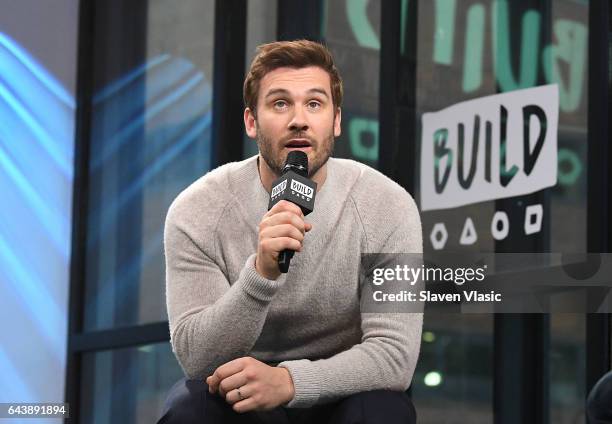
256	193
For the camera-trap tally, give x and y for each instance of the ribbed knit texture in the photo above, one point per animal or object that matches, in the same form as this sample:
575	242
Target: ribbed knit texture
308	320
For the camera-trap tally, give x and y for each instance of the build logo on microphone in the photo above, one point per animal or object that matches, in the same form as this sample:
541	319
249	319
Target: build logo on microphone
279	188
301	189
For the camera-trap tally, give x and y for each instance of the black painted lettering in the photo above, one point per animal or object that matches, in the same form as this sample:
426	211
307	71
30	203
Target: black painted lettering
440	151
530	157
464	181
505	175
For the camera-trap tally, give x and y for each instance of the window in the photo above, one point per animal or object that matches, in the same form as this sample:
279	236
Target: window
151	138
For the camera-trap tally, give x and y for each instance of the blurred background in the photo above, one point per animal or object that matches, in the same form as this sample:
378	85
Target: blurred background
109	108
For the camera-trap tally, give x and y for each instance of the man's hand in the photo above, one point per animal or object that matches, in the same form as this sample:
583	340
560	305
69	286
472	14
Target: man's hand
283	227
249	384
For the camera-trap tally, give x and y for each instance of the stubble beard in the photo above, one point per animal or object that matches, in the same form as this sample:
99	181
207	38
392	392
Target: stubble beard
276	161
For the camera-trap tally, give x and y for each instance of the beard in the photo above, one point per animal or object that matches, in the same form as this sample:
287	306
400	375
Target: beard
270	151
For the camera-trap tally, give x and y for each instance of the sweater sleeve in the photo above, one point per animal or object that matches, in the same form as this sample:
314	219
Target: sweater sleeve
387	355
202	304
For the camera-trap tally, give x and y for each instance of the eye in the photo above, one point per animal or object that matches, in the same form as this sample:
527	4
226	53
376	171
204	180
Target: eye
313	104
280	104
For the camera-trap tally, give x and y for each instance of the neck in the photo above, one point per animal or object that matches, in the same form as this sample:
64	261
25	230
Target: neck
267	176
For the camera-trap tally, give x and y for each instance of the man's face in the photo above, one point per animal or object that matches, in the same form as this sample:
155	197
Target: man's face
294	112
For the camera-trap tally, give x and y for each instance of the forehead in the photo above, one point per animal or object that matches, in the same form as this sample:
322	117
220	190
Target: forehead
295	80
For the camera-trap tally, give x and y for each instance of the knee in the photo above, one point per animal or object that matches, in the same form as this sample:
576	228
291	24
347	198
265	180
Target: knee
185	402
377	406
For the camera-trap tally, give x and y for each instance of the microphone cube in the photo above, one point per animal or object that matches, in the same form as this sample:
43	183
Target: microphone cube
296	189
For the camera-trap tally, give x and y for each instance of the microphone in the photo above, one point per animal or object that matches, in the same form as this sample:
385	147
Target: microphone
295	187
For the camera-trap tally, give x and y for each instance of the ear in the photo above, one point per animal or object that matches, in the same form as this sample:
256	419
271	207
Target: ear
250	124
337	119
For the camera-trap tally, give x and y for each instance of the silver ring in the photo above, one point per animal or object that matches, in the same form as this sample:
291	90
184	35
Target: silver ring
239	394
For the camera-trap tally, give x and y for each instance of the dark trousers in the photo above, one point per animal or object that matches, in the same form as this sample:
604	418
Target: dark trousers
189	402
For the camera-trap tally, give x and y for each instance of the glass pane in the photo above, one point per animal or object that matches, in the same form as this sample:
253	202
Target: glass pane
468	50
455	369
127	385
567	368
352	32
150	139
453	380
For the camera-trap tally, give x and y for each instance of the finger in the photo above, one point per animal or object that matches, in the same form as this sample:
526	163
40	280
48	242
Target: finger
225	370
232	382
245	406
237	395
285	205
278	244
307	226
212	382
284	218
282	230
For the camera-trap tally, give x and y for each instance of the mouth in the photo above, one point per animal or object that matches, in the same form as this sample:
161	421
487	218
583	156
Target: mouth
298	143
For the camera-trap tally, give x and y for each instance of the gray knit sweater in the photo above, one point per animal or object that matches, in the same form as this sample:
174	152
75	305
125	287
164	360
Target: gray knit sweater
308	320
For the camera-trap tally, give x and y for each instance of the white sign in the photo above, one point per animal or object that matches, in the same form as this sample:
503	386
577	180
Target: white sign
490	148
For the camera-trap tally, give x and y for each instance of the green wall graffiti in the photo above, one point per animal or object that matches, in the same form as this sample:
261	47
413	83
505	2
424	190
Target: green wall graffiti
502	48
444	36
474	47
357	14
359	149
571	52
568	51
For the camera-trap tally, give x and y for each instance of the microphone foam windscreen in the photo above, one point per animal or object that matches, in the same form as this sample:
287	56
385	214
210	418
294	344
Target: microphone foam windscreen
298	159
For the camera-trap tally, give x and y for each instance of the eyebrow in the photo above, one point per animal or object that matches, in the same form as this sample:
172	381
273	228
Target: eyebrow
286	92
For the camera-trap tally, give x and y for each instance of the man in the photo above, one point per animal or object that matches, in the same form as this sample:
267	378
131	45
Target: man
260	346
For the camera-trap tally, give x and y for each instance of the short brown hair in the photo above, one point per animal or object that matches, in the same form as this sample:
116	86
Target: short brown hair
292	54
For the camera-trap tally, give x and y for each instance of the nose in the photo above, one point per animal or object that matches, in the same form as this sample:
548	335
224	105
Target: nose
298	121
